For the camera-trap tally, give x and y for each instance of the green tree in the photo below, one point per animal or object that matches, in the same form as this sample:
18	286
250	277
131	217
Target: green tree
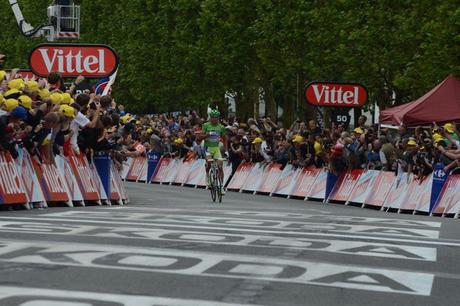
183	54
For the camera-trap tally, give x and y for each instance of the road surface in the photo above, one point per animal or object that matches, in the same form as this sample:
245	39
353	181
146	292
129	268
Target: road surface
172	246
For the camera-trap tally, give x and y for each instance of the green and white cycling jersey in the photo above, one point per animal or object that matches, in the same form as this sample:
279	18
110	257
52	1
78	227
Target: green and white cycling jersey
214	132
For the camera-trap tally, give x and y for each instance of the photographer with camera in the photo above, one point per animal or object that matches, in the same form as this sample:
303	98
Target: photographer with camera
423	164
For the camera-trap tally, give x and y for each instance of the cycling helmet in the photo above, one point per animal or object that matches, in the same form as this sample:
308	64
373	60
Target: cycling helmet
214	113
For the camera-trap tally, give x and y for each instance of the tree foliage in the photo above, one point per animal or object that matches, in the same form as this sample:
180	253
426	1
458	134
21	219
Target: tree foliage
189	53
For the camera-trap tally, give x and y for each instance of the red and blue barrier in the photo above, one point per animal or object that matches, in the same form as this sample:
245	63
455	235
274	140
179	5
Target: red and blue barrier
67	179
74	180
386	191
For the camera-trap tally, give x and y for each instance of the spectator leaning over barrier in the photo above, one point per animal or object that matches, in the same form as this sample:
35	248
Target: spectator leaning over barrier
256	155
409	155
264	149
236	153
451	133
281	151
375	157
338	162
453	154
13	129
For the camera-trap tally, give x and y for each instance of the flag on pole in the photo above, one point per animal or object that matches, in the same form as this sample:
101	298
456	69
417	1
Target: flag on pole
101	85
108	88
104	86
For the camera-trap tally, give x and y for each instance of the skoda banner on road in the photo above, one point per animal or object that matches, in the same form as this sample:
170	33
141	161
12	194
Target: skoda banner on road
72	60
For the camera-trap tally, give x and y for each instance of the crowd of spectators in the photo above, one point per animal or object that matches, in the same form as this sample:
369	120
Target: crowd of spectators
47	118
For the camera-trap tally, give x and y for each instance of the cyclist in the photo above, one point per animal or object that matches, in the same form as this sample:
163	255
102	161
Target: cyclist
212	133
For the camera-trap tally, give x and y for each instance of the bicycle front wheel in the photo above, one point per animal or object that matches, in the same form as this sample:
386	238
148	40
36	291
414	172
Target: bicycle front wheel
219	188
219	195
213	188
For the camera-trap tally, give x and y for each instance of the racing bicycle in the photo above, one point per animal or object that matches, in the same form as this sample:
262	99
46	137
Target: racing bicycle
216	184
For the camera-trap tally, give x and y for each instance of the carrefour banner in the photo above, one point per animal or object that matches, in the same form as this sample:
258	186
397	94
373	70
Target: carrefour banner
152	163
330	183
103	162
439	179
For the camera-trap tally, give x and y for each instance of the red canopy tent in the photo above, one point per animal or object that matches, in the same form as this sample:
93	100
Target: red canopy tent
441	104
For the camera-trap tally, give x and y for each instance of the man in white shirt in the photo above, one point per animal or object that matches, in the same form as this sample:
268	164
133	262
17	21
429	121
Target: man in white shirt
80	122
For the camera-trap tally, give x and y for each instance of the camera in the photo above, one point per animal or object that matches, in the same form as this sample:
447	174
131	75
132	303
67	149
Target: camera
421	155
421	158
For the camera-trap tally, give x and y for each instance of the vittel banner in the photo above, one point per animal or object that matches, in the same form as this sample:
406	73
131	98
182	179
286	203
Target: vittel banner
72	60
335	94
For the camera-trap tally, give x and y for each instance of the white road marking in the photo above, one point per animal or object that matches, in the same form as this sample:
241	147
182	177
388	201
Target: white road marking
256	270
246	222
148	261
42	302
389	250
281	225
199	237
277	215
227	208
46	297
218	265
370	236
364	279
